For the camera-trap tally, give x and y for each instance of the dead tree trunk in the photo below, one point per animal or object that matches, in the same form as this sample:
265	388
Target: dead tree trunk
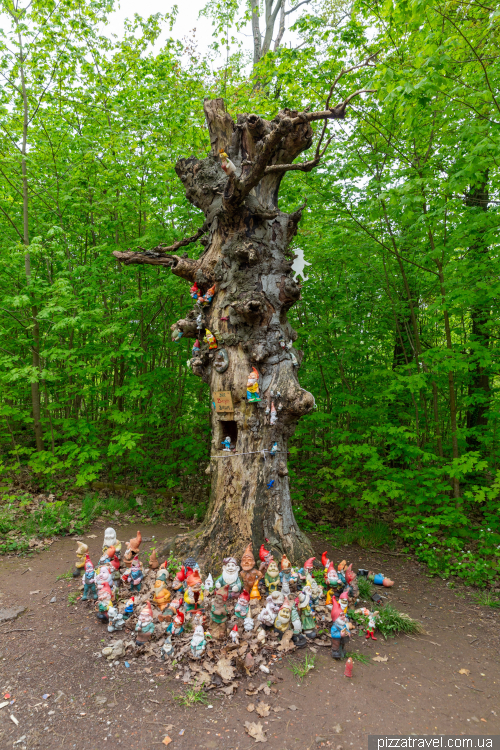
246	239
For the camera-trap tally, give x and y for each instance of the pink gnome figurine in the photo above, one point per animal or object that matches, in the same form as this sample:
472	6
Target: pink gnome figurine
104	598
348	667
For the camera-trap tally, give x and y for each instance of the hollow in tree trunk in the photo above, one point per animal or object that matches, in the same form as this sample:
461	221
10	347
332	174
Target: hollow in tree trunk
246	239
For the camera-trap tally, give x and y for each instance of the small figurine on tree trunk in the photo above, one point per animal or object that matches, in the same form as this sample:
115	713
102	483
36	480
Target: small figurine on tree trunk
253	386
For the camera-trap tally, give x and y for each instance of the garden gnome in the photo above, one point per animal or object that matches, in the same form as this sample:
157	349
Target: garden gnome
339	631
89	580
116	621
134	575
255	593
316	592
229	577
273	418
190	564
242	605
282	621
265	558
267	616
348	667
285	574
114	566
344	602
380	580
235	636
133	548
207	297
198	643
145	627
306	614
325	562
248	624
153	561
253	386
249	573
226	163
105	576
272	576
210	339
104	599
274	449
167	649
298	636
332	578
218	612
193	597
110	540
351	580
195	292
208	586
226	443
129	608
196	348
161	595
372	619
178	623
305	573
81	554
179	582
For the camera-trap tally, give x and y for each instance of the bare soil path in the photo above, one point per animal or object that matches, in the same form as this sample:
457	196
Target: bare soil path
51	650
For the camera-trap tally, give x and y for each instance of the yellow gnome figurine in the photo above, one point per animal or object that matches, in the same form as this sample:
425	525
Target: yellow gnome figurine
210	339
81	552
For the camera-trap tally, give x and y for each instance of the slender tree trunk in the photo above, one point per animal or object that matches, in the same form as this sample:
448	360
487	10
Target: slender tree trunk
35	345
479	390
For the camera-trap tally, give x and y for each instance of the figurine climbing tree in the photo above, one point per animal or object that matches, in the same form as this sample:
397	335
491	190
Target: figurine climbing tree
242	288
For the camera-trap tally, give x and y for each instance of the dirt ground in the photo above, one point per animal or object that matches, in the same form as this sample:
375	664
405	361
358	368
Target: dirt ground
51	650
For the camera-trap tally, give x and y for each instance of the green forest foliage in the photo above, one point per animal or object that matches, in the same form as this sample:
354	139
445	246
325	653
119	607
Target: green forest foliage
399	314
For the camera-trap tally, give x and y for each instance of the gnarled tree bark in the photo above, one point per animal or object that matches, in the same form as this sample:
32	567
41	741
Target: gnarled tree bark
247	237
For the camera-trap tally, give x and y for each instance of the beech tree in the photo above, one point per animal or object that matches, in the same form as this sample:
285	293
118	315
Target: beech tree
246	239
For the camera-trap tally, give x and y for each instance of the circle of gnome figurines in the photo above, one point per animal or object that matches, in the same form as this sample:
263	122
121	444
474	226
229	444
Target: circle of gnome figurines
169	611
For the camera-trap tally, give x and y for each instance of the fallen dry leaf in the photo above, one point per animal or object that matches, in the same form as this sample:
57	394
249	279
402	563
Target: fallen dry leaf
169	727
251	692
208	666
225	670
166	740
229	690
464	671
286	642
267	690
277	709
380	658
263	709
94	536
292	708
255	731
250	708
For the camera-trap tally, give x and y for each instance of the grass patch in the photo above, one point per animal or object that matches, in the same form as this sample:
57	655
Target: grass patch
487	599
368	535
191	697
357	656
26	520
301	669
391	621
72	598
68	576
365	588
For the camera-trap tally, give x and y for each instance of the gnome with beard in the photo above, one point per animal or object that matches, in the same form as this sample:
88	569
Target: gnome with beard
229	577
249	572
